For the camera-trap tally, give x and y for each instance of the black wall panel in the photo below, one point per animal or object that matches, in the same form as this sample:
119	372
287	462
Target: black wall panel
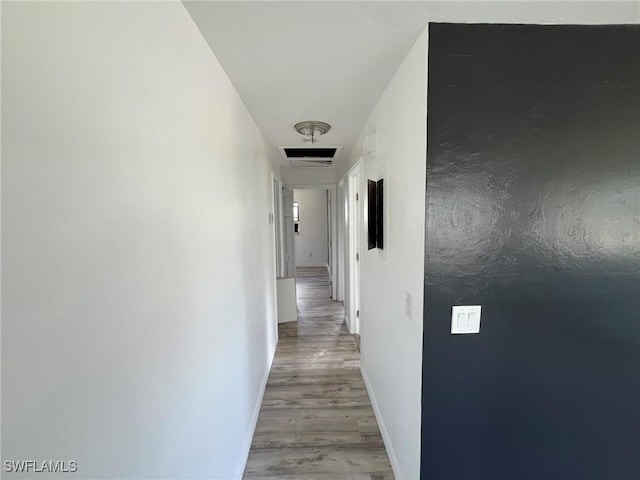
533	212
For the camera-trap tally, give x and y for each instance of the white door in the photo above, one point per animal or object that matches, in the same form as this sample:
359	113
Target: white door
329	245
289	243
277	225
341	234
355	222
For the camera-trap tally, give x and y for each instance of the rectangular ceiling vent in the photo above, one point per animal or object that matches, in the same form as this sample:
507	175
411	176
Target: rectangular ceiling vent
310	156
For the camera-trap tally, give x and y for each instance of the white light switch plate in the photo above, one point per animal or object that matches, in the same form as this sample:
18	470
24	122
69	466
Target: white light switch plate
465	319
408	305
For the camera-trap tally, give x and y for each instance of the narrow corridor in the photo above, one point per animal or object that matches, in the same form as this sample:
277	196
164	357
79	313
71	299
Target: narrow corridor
316	420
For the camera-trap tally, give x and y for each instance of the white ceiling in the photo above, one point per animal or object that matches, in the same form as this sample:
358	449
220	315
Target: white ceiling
331	61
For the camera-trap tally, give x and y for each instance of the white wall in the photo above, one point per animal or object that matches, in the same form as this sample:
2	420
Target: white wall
391	343
138	277
311	239
298	176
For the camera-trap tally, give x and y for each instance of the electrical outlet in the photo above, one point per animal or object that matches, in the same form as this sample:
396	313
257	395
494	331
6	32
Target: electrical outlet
408	305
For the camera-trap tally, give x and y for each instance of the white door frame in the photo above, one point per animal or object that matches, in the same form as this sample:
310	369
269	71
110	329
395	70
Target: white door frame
289	244
354	243
340	235
276	220
334	227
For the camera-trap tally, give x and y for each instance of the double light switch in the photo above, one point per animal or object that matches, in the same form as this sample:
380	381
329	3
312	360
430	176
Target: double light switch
465	319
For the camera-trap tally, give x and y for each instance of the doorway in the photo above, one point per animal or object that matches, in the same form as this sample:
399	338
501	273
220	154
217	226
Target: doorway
314	230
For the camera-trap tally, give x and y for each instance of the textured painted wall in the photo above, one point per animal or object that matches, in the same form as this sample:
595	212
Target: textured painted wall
533	212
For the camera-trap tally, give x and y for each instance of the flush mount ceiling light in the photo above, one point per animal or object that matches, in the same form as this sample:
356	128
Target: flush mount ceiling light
312	129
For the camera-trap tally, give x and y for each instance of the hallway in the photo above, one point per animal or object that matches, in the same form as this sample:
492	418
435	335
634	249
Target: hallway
316	420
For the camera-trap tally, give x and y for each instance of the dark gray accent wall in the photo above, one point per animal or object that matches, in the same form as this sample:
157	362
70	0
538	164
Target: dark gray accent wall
533	212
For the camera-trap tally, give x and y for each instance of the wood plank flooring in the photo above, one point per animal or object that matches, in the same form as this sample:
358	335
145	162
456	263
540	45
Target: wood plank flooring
316	421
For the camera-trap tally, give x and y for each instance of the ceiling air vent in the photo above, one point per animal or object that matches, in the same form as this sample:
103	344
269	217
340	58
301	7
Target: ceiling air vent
310	156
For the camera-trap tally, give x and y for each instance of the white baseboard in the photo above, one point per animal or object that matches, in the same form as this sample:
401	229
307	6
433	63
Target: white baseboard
395	465
254	420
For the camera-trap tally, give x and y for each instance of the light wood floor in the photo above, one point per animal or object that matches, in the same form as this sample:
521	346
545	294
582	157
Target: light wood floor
316	421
